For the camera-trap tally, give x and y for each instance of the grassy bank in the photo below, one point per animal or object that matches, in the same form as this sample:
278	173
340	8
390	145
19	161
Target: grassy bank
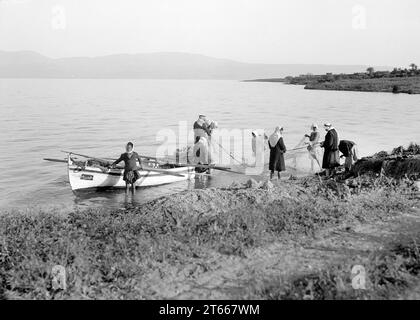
112	254
409	85
395	85
148	251
396	81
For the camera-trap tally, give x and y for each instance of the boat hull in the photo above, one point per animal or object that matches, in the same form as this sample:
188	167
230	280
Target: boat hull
92	177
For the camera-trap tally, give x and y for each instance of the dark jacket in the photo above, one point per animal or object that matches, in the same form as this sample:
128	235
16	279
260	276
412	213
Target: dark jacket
277	156
130	163
331	157
201	130
345	147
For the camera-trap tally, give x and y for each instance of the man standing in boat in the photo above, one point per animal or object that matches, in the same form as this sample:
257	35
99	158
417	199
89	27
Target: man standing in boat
131	174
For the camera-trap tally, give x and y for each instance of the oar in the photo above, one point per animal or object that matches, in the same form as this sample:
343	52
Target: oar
108	159
151	170
55	160
208	166
163	171
223	169
211	167
143	157
178	164
229	170
85	156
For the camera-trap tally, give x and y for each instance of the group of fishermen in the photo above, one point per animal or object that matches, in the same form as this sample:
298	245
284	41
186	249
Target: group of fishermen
332	146
203	129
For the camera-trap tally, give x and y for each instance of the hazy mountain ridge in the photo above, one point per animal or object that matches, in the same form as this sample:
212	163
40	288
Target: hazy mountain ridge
162	65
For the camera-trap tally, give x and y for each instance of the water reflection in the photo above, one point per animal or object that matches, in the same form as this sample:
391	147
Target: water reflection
40	117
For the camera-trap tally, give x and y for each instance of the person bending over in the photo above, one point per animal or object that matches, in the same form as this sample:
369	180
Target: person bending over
349	150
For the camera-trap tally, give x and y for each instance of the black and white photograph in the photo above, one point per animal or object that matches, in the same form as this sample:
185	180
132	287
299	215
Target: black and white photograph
232	152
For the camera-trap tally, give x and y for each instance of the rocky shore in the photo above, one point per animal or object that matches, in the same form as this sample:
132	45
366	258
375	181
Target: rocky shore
294	239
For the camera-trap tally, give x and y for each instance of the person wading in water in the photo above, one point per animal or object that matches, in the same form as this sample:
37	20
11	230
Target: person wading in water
203	129
131	175
277	150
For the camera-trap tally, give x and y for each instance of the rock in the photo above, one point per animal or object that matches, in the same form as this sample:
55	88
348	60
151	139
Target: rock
252	184
392	166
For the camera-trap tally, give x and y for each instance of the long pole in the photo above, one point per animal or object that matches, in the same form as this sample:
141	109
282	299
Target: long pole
182	165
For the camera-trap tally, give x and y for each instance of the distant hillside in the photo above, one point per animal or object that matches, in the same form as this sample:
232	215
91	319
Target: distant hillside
27	64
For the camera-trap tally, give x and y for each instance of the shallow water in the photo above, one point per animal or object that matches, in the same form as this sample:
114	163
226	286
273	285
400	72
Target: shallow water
40	117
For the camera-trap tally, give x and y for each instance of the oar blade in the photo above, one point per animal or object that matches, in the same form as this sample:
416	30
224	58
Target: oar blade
55	160
163	171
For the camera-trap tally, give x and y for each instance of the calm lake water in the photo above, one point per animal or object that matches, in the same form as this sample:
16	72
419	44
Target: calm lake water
97	117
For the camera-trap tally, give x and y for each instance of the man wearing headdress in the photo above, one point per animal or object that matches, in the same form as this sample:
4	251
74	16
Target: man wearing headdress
202	137
313	145
277	150
331	159
201	128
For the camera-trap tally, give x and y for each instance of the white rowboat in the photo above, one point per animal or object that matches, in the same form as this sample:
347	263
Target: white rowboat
86	174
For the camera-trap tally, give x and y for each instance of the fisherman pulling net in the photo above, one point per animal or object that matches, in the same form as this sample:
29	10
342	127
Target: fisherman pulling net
248	153
202	150
304	157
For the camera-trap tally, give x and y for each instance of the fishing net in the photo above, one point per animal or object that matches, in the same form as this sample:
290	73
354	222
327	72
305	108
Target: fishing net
304	158
299	160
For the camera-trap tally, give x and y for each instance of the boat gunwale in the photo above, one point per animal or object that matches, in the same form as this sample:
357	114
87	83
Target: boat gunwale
74	169
77	169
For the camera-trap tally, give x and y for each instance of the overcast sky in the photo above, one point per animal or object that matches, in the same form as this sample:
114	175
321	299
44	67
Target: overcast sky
373	32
